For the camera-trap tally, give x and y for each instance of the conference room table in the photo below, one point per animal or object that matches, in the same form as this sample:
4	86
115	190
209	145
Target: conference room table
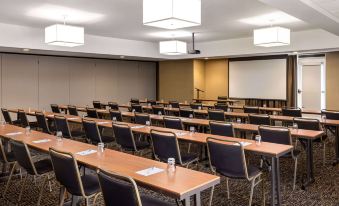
229	101
270	150
182	185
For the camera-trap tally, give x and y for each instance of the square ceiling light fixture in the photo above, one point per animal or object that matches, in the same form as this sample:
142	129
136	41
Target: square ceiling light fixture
64	35
172	14
271	37
173	47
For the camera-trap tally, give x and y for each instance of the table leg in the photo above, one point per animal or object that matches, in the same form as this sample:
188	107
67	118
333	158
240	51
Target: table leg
309	154
187	201
275	182
197	199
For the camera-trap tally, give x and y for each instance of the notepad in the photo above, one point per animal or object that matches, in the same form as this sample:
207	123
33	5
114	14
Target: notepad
86	152
50	115
102	122
244	144
41	141
149	171
72	118
13	133
137	127
181	133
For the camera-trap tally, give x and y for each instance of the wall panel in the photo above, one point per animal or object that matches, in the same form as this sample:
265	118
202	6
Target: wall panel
127	81
106	80
146	77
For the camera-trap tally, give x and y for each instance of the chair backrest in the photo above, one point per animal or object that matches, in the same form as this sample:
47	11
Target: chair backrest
249	109
165	145
67	171
42	122
221	128
151	102
137	108
61	124
222	98
186	112
140	118
55	108
227	157
157	109
330	114
195	105
91	131
6	115
72	110
307	123
221	106
124	136
3	154
115	113
135	101
292	112
174	104
113	105
92	112
97	105
23	118
216	114
173	123
259	119
274	134
118	189
23	156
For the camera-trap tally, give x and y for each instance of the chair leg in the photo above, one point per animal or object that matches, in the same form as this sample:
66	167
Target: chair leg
189	147
295	172
228	189
251	193
9	179
22	188
42	189
211	196
324	153
263	191
62	195
87	202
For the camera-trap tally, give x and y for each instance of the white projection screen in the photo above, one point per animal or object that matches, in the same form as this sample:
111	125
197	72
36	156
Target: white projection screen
258	79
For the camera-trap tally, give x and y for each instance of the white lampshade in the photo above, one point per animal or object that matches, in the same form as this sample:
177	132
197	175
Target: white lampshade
272	36
172	14
64	35
173	47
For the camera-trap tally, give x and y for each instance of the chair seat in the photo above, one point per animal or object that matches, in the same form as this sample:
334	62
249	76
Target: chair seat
139	144
77	133
251	170
90	183
43	166
149	201
187	158
107	139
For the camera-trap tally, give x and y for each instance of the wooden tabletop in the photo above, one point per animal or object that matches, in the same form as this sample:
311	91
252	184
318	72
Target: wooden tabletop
217	100
180	185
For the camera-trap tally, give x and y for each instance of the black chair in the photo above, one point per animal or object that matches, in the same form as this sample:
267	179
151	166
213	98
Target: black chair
92	113
165	145
113	105
55	108
93	134
250	109
135	101
174	104
68	175
61	124
196	105
221	128
280	135
221	99
125	139
259	119
312	124
186	112
216	114
228	159
115	114
122	190
330	114
151	102
72	110
158	110
140	118
173	123
98	105
41	168
137	108
221	106
42	122
24	122
8	118
292	112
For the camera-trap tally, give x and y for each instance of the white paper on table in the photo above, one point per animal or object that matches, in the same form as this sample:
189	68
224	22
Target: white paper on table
41	141
138	127
181	133
73	118
86	152
244	144
13	133
102	122
50	115
149	171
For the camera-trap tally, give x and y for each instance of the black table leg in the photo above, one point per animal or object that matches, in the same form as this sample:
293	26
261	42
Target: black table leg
309	154
275	182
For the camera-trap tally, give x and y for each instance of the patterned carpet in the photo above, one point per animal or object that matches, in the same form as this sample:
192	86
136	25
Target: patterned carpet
325	190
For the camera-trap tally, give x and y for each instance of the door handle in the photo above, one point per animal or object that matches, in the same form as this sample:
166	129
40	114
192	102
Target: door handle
299	91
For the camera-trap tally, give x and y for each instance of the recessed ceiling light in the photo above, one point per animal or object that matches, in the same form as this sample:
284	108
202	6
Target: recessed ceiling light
25	50
269	19
55	13
171	34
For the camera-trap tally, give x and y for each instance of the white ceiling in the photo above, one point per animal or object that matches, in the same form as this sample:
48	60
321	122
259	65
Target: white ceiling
123	18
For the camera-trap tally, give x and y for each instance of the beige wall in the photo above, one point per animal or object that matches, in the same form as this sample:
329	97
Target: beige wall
176	80
38	81
216	78
199	77
332	80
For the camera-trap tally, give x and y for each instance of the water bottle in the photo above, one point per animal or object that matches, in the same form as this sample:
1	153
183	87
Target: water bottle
257	140
114	119
171	165
28	130
59	136
101	147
